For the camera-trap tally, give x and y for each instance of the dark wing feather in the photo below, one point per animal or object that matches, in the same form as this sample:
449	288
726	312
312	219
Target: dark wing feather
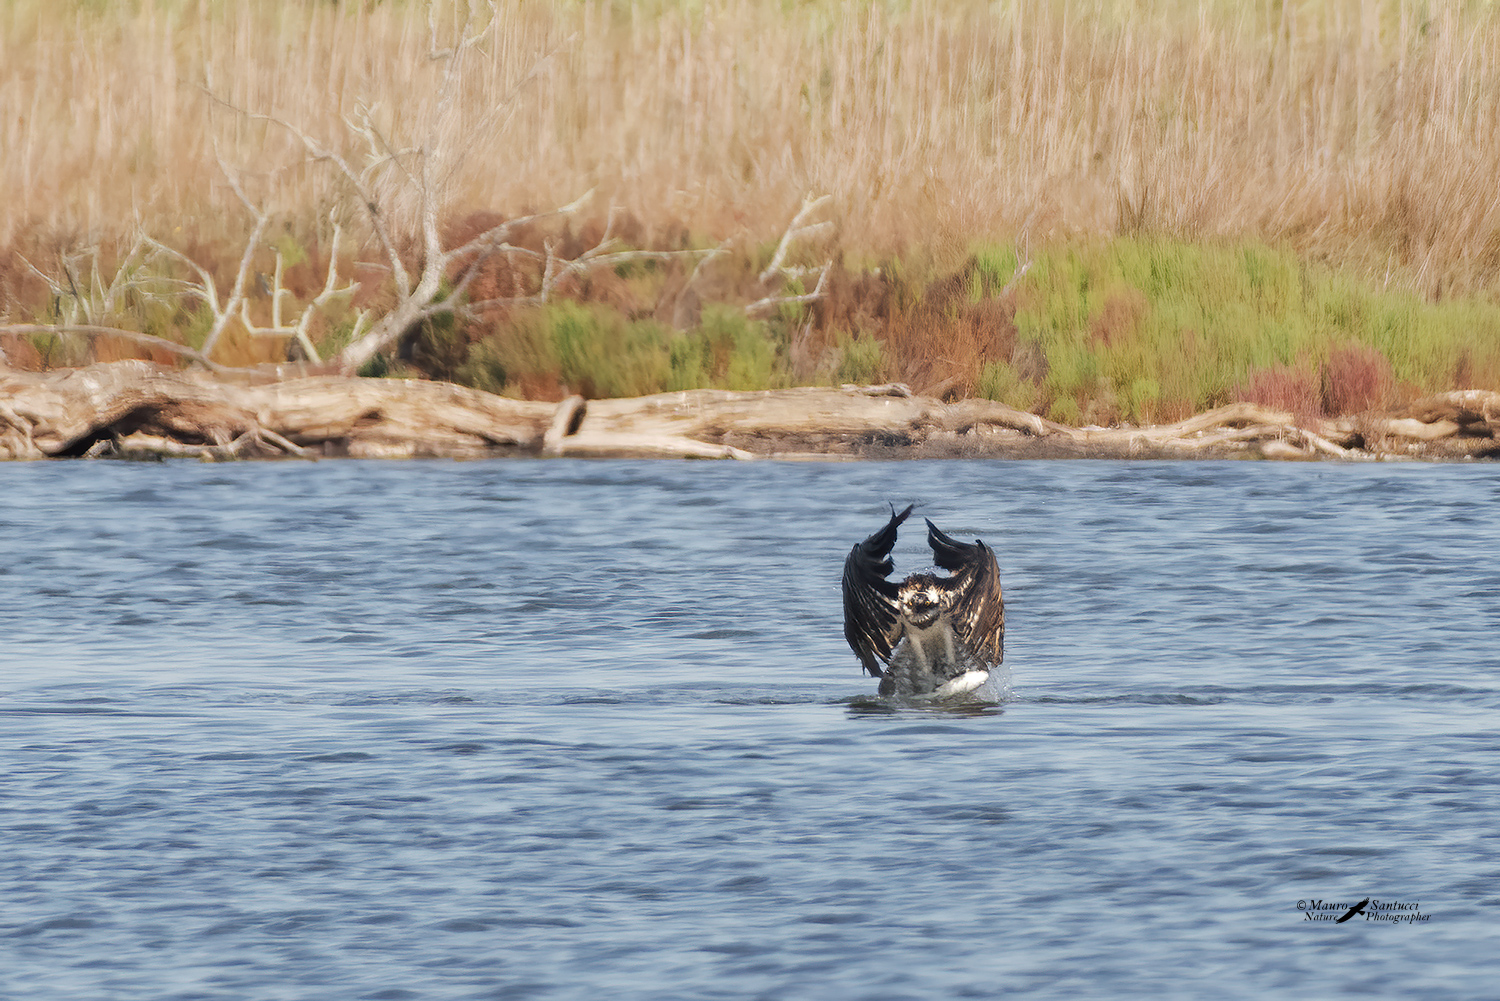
872	620
976	606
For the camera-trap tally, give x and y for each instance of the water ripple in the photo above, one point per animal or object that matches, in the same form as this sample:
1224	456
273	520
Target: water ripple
568	730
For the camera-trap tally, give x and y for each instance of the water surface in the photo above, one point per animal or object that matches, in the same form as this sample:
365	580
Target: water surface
571	730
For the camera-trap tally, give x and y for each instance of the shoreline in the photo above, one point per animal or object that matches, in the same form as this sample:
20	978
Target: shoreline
137	409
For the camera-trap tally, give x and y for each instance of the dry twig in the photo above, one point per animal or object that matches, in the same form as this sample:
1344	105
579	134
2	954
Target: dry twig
331	290
798	229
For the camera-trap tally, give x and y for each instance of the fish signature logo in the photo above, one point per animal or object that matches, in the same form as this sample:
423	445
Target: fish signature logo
1358	908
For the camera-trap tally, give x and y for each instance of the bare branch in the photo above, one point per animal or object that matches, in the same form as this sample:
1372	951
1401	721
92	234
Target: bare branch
465	40
506	106
1015	279
207	291
299	331
289	447
91	304
368	202
797	230
425	168
382	151
54	286
205	288
1023	265
134	335
771	302
124	275
492	240
557	270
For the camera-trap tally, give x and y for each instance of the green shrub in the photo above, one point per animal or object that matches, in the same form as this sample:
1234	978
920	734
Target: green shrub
1066	411
485	368
688	364
999	381
601	353
861	360
726	351
751	354
994	266
1213	318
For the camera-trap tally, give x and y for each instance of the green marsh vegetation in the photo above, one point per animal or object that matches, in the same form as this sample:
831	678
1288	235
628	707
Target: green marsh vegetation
1291	203
1129	329
1146	329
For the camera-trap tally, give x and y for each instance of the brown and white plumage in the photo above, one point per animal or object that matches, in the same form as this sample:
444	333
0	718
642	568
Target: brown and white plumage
929	634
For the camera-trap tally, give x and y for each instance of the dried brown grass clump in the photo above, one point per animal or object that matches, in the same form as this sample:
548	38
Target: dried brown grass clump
936	336
941	342
1358	132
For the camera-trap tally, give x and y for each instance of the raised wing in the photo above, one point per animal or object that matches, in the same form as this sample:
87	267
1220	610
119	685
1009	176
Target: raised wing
976	608
872	620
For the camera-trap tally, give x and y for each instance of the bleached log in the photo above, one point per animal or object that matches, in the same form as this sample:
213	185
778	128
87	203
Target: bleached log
565	421
969	413
1321	444
806	419
136	405
621	444
900	389
1464	406
1410	427
65	412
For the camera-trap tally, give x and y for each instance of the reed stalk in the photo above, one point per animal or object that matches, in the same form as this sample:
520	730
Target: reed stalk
1360	132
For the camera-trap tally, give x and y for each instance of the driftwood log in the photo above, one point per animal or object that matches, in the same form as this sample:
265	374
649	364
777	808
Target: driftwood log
136	408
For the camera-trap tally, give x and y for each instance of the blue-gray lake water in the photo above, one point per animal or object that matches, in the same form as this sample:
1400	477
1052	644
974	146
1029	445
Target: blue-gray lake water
580	730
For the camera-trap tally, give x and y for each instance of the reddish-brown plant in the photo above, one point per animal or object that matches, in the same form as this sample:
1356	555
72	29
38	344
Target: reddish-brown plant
1293	388
1355	378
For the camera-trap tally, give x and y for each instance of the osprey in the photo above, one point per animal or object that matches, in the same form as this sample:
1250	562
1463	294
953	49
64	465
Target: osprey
935	636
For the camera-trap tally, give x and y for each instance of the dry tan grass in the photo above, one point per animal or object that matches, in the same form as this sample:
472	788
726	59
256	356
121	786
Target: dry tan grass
1365	133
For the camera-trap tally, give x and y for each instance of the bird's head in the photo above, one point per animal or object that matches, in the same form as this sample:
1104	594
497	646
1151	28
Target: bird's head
921	599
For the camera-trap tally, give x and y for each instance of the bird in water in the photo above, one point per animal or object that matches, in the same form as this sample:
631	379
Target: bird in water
928	636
